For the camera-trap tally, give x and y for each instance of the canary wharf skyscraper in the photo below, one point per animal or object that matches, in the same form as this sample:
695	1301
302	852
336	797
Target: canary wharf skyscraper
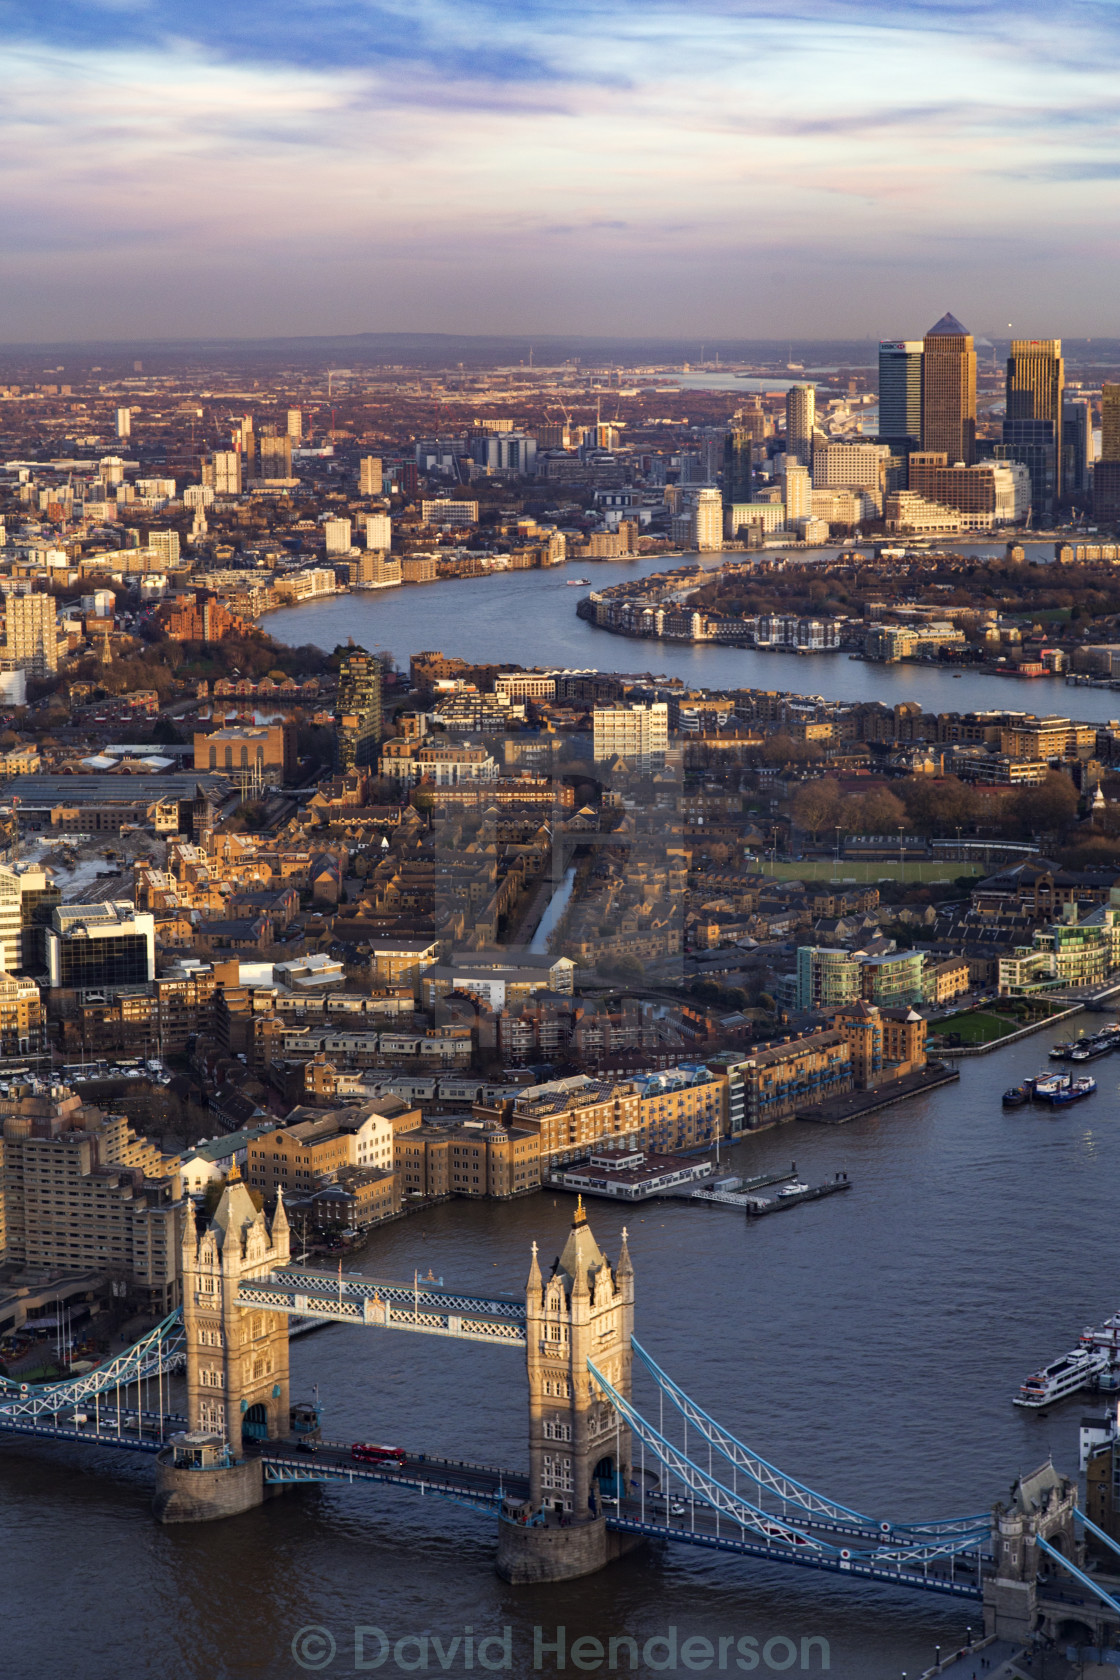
949	391
900	388
1033	427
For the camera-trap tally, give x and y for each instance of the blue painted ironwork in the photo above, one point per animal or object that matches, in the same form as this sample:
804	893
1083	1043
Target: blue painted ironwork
768	1477
162	1350
288	1472
889	1554
421	1306
832	1561
1079	1574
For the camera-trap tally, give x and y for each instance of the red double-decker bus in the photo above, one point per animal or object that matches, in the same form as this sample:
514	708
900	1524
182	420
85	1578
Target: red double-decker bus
367	1452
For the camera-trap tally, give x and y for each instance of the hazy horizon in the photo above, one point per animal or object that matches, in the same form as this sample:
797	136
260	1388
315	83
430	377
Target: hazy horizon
626	168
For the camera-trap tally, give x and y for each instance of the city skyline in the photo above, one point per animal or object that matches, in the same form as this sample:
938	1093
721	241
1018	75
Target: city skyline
727	170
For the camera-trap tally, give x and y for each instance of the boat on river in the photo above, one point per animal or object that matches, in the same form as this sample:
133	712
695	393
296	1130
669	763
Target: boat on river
1060	1092
1101	1044
1081	1368
1016	1096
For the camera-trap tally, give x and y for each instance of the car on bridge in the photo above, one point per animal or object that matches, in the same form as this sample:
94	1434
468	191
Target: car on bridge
367	1452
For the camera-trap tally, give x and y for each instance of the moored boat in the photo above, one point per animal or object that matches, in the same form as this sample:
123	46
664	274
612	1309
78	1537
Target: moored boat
1080	1368
1016	1097
1073	1090
1101	1044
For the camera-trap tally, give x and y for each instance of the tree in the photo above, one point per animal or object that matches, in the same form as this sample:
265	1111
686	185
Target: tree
816	806
1047	808
877	812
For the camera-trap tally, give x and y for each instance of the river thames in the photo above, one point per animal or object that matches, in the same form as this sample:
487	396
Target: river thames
530	618
868	1344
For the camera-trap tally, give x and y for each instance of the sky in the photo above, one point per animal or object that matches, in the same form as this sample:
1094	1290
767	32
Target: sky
816	168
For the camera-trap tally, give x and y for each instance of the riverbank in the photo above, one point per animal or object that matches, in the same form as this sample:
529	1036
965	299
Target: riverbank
838	1111
957	1051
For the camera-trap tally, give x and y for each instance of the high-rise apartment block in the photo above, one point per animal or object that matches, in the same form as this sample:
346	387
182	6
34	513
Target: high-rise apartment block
379	531
801	420
370	478
337	533
276	457
949	391
638	733
706	531
295	425
900	388
359	709
738	471
797	491
225	472
31	636
166	545
83	1193
245	442
124	422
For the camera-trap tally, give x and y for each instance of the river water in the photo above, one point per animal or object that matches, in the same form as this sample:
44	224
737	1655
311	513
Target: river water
868	1344
530	618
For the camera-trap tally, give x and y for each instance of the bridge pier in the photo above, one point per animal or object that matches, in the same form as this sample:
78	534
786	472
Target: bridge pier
190	1493
530	1553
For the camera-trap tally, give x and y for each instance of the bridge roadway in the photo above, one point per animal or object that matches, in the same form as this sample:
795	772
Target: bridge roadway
145	1432
482	1487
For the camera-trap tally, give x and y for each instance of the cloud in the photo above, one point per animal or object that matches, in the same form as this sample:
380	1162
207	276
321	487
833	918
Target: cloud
373	154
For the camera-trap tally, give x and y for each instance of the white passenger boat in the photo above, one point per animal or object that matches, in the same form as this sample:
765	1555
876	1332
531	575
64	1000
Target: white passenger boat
1078	1369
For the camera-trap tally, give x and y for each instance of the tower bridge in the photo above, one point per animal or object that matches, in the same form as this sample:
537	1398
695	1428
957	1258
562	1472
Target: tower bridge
603	1476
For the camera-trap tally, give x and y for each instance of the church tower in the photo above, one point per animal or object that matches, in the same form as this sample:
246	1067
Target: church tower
237	1357
579	1450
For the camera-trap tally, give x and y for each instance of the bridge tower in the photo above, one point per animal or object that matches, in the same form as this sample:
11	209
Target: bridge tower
579	1450
237	1361
1042	1504
237	1357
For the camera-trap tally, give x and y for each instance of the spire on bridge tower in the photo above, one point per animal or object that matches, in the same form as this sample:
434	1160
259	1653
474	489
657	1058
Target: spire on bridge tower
534	1284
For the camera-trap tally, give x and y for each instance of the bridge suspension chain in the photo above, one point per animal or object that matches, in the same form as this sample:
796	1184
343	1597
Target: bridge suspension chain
790	1491
161	1350
703	1485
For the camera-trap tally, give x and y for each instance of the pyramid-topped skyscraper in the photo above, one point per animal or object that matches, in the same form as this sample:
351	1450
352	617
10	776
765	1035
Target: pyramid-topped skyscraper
949	391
